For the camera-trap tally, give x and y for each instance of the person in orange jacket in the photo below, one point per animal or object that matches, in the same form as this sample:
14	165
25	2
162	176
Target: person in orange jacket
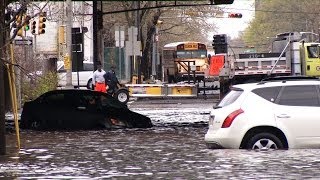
98	79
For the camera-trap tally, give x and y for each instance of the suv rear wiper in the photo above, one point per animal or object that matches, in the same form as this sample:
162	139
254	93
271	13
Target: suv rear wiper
217	107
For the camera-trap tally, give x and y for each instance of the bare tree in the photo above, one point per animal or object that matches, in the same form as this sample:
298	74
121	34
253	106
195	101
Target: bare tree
179	24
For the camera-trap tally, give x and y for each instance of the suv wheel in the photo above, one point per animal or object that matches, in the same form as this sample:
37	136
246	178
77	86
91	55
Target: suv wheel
264	141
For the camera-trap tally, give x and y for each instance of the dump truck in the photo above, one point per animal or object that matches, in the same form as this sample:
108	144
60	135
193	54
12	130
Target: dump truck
292	55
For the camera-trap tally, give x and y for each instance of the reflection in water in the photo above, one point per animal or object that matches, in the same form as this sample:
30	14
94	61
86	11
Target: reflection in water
162	152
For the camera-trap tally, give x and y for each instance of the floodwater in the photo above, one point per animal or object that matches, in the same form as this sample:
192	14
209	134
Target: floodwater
173	149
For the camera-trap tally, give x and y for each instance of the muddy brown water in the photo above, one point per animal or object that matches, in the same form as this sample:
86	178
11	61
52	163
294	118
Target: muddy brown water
173	149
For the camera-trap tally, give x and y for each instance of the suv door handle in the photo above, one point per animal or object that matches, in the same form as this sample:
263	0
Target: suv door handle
81	108
283	116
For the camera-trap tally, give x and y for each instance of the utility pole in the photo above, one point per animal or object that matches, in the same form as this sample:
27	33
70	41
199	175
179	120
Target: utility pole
137	18
95	33
68	55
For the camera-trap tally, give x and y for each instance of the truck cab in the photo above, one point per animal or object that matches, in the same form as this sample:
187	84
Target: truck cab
309	52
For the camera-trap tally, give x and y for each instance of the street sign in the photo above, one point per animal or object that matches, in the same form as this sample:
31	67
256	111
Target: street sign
119	36
23	42
133	47
67	62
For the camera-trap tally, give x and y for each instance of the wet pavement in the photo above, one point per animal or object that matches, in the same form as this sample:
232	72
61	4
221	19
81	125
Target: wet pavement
173	149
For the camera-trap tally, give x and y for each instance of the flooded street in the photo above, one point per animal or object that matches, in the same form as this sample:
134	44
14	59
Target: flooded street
173	149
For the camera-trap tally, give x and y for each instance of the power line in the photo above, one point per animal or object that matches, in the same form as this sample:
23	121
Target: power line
273	11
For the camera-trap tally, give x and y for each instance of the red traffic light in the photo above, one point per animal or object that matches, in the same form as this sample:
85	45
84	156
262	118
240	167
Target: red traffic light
235	15
27	19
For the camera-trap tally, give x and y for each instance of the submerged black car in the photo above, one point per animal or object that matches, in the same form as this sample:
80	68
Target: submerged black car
79	109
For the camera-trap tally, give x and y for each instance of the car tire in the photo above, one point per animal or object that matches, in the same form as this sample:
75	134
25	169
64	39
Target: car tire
264	141
122	96
89	84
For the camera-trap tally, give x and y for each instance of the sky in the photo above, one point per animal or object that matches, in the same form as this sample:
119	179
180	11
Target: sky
232	26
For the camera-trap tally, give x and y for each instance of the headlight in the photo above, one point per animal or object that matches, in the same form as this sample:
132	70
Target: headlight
211	119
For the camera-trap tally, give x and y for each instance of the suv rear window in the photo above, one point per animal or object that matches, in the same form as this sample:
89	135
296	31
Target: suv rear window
231	97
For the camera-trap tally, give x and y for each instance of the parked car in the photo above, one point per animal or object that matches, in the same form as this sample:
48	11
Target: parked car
278	113
79	109
84	75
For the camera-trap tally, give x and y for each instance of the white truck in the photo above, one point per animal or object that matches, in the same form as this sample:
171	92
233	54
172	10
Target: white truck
79	79
291	55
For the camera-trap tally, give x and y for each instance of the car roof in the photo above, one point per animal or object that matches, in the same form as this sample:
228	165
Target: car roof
111	101
251	86
70	91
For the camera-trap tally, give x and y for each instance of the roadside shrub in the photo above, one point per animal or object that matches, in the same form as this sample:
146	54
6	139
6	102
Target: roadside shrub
37	85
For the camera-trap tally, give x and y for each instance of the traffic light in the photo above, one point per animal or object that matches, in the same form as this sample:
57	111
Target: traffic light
42	25
235	15
26	23
219	39
220	43
7	16
33	27
217	2
223	39
221	49
216	40
19	25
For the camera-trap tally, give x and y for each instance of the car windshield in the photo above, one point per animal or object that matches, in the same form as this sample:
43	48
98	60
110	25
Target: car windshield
231	97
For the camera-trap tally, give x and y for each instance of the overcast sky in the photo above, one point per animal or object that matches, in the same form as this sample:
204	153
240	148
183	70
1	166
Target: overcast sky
232	26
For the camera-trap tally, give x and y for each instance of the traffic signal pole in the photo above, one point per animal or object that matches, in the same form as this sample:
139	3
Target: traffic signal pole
68	55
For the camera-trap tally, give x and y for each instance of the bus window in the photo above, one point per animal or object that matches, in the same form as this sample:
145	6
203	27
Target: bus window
192	54
199	54
183	54
313	52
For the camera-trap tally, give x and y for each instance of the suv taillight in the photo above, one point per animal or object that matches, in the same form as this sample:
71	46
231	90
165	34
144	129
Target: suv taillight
228	121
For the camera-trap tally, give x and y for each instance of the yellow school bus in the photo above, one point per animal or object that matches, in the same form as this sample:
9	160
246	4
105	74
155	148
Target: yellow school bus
184	60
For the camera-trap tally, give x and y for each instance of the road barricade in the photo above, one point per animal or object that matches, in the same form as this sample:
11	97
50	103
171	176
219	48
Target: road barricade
162	90
146	90
182	90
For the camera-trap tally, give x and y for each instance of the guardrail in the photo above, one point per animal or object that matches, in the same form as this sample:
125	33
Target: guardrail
182	90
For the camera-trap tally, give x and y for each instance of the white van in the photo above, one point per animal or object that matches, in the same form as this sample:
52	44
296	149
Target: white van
85	76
